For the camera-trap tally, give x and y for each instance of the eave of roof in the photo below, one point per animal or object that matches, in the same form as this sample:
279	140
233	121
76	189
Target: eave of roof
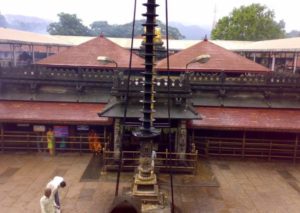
54	112
116	110
248	119
13	36
275	45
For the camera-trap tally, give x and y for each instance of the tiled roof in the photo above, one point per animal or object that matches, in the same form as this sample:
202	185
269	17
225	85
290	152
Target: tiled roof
43	112
277	45
18	36
177	45
85	55
221	60
248	119
28	48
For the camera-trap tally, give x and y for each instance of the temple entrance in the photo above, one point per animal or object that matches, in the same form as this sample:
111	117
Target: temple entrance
163	143
130	143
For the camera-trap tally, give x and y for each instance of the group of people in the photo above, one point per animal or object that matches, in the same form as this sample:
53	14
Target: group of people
50	202
51	142
93	140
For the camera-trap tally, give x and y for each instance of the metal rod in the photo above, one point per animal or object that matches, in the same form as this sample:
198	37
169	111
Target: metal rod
126	102
169	105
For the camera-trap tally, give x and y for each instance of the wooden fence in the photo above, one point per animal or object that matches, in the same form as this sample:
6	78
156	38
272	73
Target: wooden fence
20	141
248	147
164	161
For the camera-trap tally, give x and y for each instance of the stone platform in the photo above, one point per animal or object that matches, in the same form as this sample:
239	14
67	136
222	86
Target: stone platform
224	186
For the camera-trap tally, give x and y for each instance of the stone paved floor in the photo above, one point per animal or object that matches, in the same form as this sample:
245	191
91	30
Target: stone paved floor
244	186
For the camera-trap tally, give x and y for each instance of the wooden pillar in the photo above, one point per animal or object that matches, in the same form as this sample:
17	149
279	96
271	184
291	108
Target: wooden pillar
254	57
269	58
193	136
2	137
14	55
105	137
48	48
295	62
117	138
244	144
273	62
80	144
295	149
181	141
270	150
33	56
285	61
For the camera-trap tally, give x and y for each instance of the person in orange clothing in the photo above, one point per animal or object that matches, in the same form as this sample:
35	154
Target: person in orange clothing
94	142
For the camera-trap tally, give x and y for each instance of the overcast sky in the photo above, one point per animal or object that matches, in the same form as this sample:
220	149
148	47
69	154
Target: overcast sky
191	12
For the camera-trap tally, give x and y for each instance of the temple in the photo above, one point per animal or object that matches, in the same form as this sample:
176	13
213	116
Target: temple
229	106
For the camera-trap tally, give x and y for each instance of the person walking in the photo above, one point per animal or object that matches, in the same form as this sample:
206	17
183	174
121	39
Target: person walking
51	141
56	183
47	203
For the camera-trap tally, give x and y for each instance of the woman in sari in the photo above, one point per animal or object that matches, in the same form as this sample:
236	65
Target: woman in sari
51	141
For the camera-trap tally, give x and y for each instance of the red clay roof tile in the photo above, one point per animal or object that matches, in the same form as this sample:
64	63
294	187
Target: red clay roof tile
45	112
221	60
248	119
85	55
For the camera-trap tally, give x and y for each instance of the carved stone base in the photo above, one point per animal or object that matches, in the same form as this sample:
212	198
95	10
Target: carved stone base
147	189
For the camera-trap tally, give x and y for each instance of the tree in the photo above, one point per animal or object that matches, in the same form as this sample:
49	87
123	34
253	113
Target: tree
68	24
125	30
254	22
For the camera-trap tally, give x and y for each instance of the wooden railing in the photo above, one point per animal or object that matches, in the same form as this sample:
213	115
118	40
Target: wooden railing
164	161
270	79
248	147
59	74
20	141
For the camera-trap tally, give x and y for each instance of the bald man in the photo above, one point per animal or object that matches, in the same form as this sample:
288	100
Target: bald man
47	203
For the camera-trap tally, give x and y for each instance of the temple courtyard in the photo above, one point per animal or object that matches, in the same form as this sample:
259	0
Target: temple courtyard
218	186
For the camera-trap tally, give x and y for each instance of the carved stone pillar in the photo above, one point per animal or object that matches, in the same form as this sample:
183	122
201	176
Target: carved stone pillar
181	142
117	137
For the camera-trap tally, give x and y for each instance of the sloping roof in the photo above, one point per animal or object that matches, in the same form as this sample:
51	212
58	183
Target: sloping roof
231	44
17	36
28	48
173	44
116	110
248	119
278	45
85	55
247	99
44	112
221	60
74	40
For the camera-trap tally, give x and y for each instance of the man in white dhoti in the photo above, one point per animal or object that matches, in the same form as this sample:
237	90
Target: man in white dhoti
47	203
